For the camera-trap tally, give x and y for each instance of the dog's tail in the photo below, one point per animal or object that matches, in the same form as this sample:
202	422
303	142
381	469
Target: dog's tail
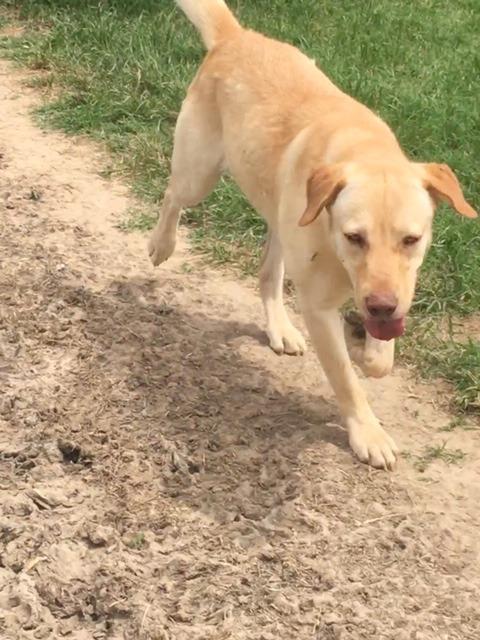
212	18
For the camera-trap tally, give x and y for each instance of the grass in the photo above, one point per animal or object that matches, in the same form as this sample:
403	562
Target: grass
459	422
119	70
437	452
440	353
138	541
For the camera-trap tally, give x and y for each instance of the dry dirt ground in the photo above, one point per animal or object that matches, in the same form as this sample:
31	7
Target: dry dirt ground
164	476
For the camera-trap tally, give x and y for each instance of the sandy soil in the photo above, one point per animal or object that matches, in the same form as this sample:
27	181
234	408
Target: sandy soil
164	476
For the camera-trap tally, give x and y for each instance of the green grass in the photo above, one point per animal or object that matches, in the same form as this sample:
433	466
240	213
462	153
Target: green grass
137	541
122	68
436	452
459	422
437	354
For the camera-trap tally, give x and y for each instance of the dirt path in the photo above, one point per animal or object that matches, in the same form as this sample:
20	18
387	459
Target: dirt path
163	475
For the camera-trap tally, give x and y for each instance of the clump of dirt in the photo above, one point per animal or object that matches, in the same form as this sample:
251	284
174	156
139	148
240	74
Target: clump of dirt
163	475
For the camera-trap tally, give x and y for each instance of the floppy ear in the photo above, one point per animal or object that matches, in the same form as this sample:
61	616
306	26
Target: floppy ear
323	187
442	184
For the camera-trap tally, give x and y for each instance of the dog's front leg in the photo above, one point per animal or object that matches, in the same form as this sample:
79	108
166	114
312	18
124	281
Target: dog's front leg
367	438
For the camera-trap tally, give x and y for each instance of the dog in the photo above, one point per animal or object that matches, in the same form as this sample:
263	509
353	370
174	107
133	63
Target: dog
348	214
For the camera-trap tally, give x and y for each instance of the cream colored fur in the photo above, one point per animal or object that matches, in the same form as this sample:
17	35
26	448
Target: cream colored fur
348	213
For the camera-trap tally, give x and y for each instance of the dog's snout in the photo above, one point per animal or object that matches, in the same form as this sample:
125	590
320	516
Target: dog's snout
381	305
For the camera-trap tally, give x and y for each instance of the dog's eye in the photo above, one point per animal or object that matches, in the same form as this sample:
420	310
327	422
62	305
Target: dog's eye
408	241
356	239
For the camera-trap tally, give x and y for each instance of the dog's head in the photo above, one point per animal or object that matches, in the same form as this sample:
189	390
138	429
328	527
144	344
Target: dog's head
381	221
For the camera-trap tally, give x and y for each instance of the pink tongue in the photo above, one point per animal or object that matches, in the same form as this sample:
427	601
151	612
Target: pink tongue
385	329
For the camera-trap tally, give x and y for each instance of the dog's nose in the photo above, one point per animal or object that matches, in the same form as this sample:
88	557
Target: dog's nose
381	305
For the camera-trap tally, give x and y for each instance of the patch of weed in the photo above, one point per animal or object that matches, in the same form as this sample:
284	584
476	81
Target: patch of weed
437	452
137	541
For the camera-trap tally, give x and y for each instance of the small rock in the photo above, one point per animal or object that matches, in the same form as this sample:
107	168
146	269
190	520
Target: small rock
9	530
98	535
332	618
285	605
47	498
17	505
377	509
10	449
51	453
31	420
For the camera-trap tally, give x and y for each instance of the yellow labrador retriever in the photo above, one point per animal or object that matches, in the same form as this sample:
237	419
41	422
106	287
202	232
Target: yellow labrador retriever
347	212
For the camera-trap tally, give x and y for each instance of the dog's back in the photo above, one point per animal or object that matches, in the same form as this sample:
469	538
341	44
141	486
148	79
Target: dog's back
264	92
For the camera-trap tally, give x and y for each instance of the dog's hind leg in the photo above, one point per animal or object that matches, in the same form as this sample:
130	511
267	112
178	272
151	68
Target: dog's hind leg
197	162
374	357
283	336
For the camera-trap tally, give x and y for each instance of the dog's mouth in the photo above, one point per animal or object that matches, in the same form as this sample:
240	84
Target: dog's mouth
385	329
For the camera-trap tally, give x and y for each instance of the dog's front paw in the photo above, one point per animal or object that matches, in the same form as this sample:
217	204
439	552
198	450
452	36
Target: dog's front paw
285	338
161	246
371	443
